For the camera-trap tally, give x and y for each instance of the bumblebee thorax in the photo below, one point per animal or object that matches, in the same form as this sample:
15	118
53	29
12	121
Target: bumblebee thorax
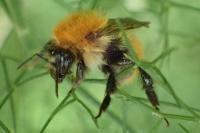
75	29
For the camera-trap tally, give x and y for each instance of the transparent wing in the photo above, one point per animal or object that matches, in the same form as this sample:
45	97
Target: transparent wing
115	25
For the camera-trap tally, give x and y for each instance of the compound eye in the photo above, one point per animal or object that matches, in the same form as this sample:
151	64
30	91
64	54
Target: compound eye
52	52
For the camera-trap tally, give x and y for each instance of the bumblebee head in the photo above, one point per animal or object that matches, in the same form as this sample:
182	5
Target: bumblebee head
59	60
60	63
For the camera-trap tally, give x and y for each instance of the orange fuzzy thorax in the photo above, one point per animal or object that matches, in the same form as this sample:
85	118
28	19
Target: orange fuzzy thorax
72	31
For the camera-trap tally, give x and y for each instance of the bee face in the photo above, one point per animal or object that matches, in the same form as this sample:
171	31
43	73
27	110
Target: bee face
62	61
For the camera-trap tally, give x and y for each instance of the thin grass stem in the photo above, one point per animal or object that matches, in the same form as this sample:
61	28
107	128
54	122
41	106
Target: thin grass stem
181	117
163	55
183	128
8	85
87	109
4	127
159	114
94	4
156	126
184	6
165	103
166	84
128	43
13	87
113	116
31	78
55	111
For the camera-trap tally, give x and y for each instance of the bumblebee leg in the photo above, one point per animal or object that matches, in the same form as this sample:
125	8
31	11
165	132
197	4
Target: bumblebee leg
148	87
80	71
110	88
56	84
79	75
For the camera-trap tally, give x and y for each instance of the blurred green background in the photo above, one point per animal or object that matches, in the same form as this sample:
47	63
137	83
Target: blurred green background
27	100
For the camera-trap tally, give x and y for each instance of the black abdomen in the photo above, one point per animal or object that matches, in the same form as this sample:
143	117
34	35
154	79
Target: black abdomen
113	54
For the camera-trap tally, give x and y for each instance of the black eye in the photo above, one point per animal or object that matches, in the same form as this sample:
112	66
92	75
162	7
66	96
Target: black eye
52	52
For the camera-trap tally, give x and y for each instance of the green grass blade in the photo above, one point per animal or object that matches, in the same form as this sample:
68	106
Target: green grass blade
94	4
19	77
163	55
183	128
5	7
67	103
9	58
132	52
4	127
183	6
7	97
31	78
87	109
189	109
115	118
11	31
168	104
4	65
164	20
166	28
98	81
182	35
8	85
124	93
166	84
156	126
185	106
17	83
162	115
124	116
80	5
55	111
166	34
125	71
181	117
118	76
65	5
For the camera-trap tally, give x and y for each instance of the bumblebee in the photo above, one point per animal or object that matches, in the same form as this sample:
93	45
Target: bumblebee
89	39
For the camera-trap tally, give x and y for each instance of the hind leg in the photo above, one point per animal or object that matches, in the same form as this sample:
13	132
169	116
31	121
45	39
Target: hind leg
110	88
